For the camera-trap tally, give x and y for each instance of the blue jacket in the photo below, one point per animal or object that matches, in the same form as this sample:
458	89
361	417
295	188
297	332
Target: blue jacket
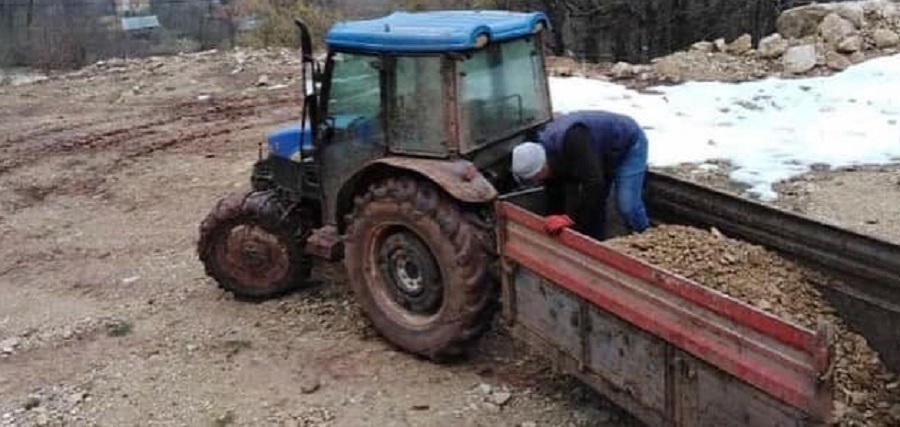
584	149
612	134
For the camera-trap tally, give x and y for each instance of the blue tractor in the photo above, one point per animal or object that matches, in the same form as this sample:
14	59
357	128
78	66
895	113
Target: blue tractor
402	148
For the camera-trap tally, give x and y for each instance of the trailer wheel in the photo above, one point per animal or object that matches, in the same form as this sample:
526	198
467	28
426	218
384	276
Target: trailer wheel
249	245
418	267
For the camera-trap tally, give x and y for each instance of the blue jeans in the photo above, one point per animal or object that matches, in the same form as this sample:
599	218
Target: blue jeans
629	185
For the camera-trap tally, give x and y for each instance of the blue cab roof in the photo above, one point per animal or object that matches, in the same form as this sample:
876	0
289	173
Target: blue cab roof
428	32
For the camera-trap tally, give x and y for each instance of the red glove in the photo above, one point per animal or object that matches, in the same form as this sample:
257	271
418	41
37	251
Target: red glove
555	224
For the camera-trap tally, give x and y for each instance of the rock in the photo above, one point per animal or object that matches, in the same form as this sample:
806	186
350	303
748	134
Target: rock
484	388
857	57
263	80
130	280
42	420
500	398
741	44
720	45
703	46
528	424
622	70
836	61
204	98
310	385
850	44
772	46
801	21
885	38
9	345
799	59
834	29
491	407
32	402
76	398
852	12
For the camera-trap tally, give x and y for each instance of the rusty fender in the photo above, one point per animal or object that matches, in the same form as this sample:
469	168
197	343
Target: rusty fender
460	178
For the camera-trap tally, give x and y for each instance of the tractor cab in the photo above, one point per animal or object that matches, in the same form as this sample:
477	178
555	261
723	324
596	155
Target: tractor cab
441	85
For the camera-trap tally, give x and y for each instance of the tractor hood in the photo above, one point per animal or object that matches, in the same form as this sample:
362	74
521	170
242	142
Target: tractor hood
286	142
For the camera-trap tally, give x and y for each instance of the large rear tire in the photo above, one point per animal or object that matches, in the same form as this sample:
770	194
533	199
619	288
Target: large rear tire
419	267
249	245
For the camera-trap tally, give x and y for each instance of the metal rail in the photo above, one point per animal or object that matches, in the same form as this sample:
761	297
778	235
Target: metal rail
867	294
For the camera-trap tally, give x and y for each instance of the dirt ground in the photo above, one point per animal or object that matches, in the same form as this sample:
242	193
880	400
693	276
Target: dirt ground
107	319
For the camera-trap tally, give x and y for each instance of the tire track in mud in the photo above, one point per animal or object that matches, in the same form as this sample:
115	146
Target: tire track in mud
162	129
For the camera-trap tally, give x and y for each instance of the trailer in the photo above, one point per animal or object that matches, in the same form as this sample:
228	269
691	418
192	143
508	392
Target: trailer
666	349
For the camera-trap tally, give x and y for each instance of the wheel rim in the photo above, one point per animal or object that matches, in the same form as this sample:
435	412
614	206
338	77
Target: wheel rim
408	283
252	256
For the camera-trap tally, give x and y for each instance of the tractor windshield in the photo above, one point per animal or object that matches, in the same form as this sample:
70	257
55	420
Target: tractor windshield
503	90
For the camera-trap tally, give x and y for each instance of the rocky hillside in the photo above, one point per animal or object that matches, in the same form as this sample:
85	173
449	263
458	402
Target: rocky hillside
816	39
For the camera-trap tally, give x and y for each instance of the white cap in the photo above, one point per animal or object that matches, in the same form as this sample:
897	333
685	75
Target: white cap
527	160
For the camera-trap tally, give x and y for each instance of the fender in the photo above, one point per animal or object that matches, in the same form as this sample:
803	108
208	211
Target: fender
459	178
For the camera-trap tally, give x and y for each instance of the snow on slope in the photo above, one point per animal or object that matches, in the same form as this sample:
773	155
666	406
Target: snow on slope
770	129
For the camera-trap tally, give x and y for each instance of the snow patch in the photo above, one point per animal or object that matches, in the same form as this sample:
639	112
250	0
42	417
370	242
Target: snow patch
770	129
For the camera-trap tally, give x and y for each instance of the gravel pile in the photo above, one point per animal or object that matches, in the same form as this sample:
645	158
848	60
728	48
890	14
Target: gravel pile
865	393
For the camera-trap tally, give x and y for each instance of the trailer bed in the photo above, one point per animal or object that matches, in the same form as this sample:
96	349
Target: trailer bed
666	349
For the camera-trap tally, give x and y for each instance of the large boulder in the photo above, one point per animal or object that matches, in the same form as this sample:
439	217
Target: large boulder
741	45
799	59
836	61
801	21
885	38
853	12
850	44
833	29
772	46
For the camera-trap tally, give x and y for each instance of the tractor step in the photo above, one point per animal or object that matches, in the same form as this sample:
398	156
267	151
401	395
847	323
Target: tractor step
325	243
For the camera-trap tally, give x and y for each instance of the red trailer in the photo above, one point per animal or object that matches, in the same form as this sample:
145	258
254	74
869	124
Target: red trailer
666	349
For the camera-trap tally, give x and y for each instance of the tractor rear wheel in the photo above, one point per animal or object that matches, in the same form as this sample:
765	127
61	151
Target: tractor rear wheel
249	245
419	267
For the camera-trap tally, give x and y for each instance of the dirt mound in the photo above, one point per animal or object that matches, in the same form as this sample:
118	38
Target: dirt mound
865	392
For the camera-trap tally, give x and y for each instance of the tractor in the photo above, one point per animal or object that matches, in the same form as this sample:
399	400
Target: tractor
401	150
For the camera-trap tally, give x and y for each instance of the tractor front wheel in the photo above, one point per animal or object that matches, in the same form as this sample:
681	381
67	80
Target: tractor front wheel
248	244
418	267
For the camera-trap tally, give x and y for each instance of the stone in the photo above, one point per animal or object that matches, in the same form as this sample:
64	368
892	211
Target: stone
836	61
484	388
801	21
772	46
528	424
263	80
310	385
703	46
852	12
76	398
833	29
501	398
741	44
850	44
885	38
622	70
720	45
9	345
799	59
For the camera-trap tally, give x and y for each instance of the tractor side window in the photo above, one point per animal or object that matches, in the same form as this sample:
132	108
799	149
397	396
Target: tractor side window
502	90
354	102
416	115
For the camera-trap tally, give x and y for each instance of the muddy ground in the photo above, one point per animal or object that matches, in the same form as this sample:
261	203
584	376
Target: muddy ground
107	319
